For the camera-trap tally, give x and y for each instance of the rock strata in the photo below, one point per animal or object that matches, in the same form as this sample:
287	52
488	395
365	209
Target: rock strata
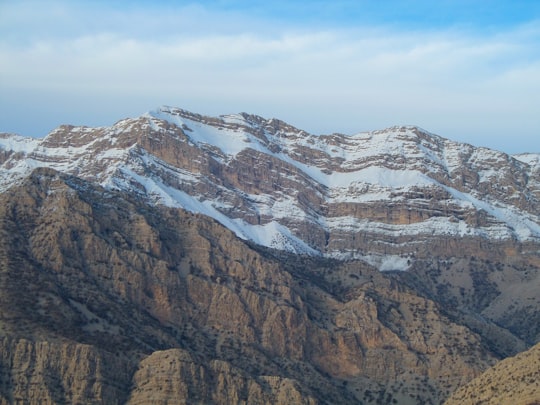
137	303
238	259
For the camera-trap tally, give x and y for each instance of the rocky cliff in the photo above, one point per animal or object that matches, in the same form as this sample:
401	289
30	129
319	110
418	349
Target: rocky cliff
177	257
106	299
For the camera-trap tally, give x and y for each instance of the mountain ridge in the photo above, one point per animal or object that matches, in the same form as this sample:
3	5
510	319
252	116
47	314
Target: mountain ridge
236	258
318	175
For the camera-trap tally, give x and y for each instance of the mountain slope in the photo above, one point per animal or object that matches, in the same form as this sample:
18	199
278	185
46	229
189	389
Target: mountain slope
149	298
515	380
283	188
282	266
397	199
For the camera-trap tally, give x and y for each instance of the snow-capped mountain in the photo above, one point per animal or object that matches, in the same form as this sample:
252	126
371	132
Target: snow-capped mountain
360	196
101	264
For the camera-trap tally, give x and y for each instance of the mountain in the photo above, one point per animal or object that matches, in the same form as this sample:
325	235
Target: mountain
107	299
283	188
239	259
515	380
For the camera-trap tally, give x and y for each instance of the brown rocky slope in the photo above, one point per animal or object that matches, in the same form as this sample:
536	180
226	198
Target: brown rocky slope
515	381
464	222
106	299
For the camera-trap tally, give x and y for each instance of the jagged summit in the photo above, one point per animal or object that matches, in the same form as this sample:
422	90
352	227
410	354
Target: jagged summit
288	189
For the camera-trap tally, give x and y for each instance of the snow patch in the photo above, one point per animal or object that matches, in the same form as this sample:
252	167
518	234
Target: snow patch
272	234
532	159
229	141
17	143
388	262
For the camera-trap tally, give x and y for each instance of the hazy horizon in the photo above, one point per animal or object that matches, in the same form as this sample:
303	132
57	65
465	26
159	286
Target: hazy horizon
466	70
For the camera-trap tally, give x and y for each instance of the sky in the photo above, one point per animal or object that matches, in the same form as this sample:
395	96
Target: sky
468	70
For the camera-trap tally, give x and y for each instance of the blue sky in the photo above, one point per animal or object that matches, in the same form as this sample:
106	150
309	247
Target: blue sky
466	70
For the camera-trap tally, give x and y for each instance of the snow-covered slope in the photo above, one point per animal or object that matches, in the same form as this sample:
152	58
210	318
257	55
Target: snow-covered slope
284	188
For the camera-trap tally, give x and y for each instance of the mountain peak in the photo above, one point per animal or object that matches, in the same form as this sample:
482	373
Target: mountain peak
285	188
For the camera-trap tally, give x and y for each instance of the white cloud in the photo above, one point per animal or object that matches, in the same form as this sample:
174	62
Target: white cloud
323	80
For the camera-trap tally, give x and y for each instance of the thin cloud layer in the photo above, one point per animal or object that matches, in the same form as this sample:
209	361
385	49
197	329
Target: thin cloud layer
95	64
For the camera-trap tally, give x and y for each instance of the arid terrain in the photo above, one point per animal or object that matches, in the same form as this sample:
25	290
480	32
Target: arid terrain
177	258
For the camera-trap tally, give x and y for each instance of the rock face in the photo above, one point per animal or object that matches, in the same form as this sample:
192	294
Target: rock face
114	300
515	380
171	377
182	258
284	188
52	372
